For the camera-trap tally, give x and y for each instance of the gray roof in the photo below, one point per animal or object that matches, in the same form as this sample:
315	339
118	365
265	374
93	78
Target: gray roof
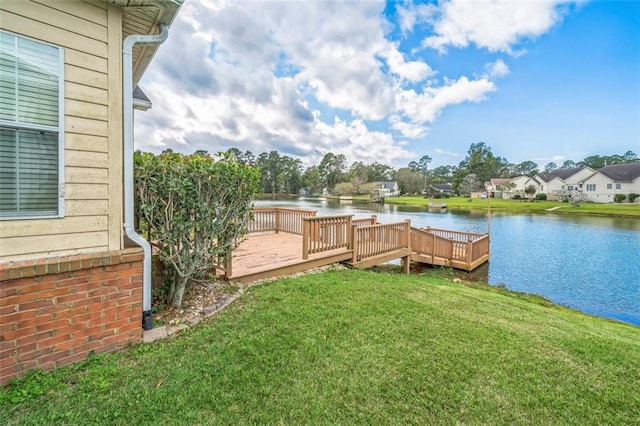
627	172
140	100
386	185
140	95
443	186
560	173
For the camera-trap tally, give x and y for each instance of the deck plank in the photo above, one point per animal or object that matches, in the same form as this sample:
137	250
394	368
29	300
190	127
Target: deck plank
268	255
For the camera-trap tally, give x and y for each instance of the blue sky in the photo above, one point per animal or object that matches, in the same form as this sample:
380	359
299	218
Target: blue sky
541	80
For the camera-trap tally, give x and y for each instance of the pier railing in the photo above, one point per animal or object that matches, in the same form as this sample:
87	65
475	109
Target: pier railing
375	240
278	220
325	233
450	248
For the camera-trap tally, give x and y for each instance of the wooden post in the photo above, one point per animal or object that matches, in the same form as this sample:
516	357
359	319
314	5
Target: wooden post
306	235
350	233
374	218
228	265
354	245
277	220
469	254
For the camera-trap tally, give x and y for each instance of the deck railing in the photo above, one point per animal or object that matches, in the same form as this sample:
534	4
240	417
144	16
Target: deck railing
321	234
278	220
454	235
456	246
373	220
374	240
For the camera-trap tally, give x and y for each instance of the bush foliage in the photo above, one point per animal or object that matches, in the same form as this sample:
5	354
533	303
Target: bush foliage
196	210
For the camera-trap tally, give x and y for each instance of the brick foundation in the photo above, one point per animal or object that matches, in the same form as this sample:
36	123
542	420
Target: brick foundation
55	311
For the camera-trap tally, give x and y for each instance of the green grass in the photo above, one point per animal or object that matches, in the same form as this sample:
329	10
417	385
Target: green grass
357	347
498	204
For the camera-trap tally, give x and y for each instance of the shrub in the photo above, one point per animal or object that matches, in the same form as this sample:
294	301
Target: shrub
633	196
620	198
541	197
196	210
516	197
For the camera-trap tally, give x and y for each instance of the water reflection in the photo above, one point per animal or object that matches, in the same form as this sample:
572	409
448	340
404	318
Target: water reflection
590	263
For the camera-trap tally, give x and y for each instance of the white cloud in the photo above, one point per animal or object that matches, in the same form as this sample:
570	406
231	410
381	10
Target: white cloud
496	25
410	14
497	69
273	75
426	106
443	152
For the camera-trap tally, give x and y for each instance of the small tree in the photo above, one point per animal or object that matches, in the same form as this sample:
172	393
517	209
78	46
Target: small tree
530	191
196	210
469	184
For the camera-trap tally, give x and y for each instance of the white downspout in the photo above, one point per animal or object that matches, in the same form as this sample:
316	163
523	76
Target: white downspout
127	109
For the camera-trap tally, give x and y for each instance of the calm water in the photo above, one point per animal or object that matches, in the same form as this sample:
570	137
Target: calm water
587	263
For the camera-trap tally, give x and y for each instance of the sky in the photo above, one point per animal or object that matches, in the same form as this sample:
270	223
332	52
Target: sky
390	82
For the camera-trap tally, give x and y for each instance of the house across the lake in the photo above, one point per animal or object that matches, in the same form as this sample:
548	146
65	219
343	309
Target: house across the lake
613	183
386	189
71	263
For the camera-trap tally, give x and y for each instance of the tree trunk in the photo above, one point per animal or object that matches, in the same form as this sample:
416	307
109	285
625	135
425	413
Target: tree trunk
177	292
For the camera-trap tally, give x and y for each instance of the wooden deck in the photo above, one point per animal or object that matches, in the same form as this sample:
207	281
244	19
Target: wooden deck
273	255
287	241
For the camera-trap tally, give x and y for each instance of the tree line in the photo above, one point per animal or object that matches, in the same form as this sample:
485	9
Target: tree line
282	174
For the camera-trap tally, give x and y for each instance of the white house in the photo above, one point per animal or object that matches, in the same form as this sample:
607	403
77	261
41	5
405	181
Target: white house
559	184
508	188
609	181
386	189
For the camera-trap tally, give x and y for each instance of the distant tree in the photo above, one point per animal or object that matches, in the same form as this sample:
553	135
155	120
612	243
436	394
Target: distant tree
311	178
442	174
549	167
530	191
344	188
470	183
422	167
202	153
480	162
568	164
630	156
409	181
377	172
332	169
527	168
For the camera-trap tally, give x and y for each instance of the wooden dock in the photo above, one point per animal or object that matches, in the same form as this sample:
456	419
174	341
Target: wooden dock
288	241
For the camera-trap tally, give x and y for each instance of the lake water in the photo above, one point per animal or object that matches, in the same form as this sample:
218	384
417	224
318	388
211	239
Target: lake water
584	262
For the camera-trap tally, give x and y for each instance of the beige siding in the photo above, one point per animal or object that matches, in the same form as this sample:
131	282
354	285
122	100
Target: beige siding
91	35
116	238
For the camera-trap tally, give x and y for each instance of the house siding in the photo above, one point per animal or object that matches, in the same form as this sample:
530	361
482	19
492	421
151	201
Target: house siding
57	311
91	36
604	195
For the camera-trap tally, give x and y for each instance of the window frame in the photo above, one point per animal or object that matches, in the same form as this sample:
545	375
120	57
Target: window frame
59	129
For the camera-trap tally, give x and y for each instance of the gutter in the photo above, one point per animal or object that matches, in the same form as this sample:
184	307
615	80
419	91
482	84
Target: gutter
127	119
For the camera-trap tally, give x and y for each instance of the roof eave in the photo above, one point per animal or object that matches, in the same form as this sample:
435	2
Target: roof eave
156	13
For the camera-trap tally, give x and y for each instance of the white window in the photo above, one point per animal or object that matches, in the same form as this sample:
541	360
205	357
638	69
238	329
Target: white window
618	186
591	187
609	186
31	134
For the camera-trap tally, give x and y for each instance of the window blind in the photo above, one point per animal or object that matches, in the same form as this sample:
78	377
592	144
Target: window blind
30	134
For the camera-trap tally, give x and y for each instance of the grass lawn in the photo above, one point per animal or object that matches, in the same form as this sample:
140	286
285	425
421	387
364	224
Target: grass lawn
357	347
498	204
